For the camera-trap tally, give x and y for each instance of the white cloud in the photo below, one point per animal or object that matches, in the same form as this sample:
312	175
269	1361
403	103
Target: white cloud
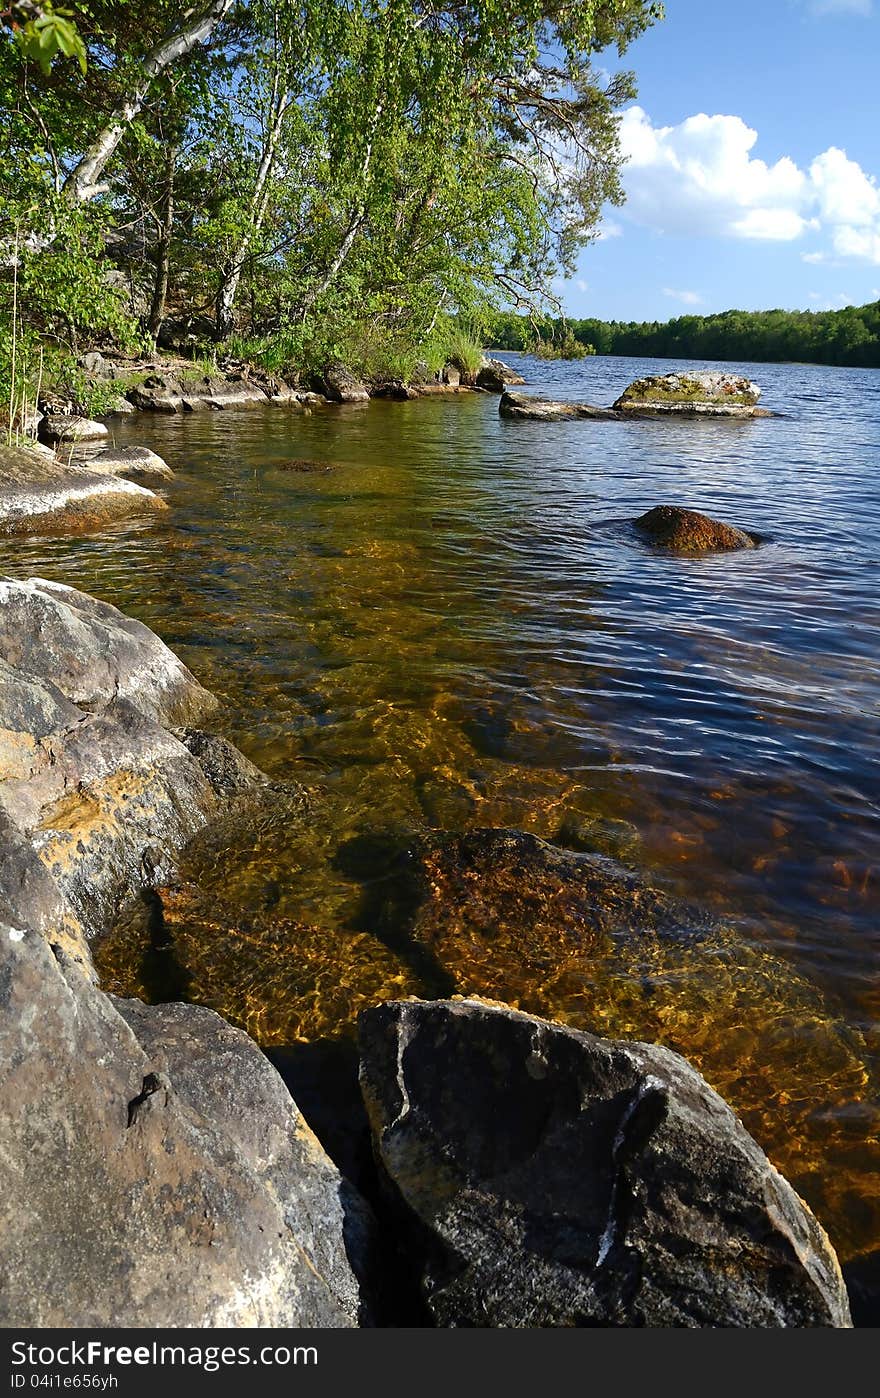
814	257
689	298
845	194
862	243
609	229
831	303
581	284
701	178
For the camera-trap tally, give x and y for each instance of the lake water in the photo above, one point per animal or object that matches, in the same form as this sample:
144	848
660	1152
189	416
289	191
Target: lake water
452	626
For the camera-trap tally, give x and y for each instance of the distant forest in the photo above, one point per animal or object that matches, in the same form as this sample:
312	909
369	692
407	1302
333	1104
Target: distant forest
849	336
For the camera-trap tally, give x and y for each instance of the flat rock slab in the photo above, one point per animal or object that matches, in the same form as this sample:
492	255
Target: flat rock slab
131	463
162	394
545	1177
710	393
521	405
155	1171
688	531
38	492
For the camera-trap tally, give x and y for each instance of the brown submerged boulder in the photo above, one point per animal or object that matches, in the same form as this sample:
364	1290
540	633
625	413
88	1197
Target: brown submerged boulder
691	532
544	1177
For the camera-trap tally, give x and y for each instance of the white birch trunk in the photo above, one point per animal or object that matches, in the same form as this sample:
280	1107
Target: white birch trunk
82	183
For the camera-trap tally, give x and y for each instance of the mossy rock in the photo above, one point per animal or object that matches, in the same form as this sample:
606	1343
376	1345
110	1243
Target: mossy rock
710	393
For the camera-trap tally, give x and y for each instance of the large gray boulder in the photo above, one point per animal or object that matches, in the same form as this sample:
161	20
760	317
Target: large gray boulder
94	654
545	1177
340	385
494	374
155	1171
705	393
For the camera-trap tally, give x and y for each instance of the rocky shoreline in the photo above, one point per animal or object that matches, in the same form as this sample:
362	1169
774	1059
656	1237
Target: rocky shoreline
158	1172
73	478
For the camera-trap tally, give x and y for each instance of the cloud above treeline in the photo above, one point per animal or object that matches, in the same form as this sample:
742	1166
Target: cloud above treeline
701	178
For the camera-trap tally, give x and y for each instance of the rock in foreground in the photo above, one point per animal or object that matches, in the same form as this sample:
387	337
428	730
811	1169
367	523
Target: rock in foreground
546	1177
691	532
710	393
155	1171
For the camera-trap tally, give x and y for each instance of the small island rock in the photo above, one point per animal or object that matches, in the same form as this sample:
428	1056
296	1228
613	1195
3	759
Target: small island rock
688	531
706	393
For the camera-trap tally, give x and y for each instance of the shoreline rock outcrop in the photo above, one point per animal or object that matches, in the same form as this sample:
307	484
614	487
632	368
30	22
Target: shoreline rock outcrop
39	492
156	1170
545	1177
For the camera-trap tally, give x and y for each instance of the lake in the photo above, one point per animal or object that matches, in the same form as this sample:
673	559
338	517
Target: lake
436	618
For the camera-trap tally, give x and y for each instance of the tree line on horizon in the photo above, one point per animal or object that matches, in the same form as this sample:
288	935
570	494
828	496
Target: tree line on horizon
850	336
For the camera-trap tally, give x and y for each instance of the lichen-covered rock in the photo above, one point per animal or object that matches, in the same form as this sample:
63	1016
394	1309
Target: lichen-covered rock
706	393
39	492
90	779
521	405
691	532
545	1177
155	1171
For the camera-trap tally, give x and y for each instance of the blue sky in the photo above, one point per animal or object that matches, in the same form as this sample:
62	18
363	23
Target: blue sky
754	177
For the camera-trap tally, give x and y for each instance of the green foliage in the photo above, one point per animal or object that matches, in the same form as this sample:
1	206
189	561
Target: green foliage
350	181
42	33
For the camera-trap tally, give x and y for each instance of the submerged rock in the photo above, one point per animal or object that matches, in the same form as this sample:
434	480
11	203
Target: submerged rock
546	1177
691	532
39	492
709	393
155	1171
521	405
578	938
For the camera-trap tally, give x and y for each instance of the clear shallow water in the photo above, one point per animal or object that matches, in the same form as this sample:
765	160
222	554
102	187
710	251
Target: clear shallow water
452	627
